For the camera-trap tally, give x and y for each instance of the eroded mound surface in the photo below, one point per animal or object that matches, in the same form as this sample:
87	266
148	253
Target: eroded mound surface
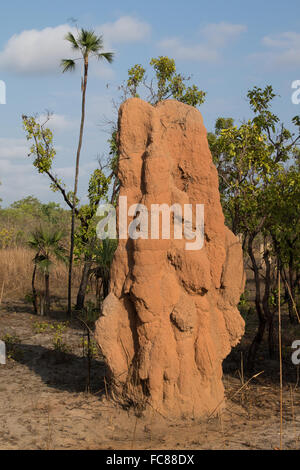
171	317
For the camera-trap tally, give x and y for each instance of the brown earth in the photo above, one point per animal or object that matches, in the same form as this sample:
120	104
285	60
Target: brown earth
44	403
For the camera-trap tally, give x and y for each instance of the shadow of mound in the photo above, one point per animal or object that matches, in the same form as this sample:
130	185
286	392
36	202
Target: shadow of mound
63	371
235	364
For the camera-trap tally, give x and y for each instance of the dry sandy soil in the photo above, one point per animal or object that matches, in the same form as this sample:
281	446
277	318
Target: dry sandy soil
44	403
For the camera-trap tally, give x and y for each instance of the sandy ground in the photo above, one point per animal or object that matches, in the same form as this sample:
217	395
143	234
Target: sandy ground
44	403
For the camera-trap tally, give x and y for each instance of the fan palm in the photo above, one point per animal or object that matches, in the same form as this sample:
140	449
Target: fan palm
48	247
87	44
104	257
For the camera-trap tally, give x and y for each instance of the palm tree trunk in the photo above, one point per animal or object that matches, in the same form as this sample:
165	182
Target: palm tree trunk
84	85
34	295
47	294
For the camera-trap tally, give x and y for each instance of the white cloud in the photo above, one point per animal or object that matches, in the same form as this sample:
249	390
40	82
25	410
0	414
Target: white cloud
283	49
20	180
198	52
124	30
68	172
102	70
215	37
58	122
13	148
221	33
36	52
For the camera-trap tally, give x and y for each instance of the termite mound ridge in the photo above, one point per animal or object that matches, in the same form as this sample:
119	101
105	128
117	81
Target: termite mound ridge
171	315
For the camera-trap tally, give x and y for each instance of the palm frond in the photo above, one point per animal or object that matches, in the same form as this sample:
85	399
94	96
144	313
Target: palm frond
68	65
44	264
70	37
46	243
109	56
90	42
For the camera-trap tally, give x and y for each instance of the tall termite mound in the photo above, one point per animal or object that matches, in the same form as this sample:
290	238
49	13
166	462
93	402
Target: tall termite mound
171	315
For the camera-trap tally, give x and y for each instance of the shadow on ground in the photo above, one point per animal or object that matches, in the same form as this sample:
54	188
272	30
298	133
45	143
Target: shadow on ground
62	371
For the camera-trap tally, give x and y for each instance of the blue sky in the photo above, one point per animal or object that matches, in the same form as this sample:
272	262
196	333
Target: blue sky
227	47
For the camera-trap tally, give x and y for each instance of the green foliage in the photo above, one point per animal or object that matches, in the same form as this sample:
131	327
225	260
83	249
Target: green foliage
12	350
89	350
58	329
59	345
167	83
89	314
98	189
40	327
22	217
42	148
85	235
250	162
258	165
104	254
136	75
6	237
48	247
87	43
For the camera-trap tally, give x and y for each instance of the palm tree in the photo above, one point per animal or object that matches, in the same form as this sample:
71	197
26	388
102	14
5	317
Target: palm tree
104	257
88	44
47	245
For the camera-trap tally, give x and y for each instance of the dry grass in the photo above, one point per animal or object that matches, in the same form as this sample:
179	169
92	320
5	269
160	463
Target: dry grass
16	265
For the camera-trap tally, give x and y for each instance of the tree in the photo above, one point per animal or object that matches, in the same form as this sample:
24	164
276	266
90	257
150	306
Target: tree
88	44
86	240
104	254
48	247
165	84
44	153
284	227
251	160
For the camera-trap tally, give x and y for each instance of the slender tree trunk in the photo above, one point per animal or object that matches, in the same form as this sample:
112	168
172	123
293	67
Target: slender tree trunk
84	85
83	284
292	287
105	284
261	317
98	292
266	305
287	295
47	294
34	294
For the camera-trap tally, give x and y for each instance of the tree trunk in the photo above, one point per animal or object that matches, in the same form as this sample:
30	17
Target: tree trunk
98	293
287	294
83	284
105	283
47	294
34	294
84	85
261	317
292	287
266	305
